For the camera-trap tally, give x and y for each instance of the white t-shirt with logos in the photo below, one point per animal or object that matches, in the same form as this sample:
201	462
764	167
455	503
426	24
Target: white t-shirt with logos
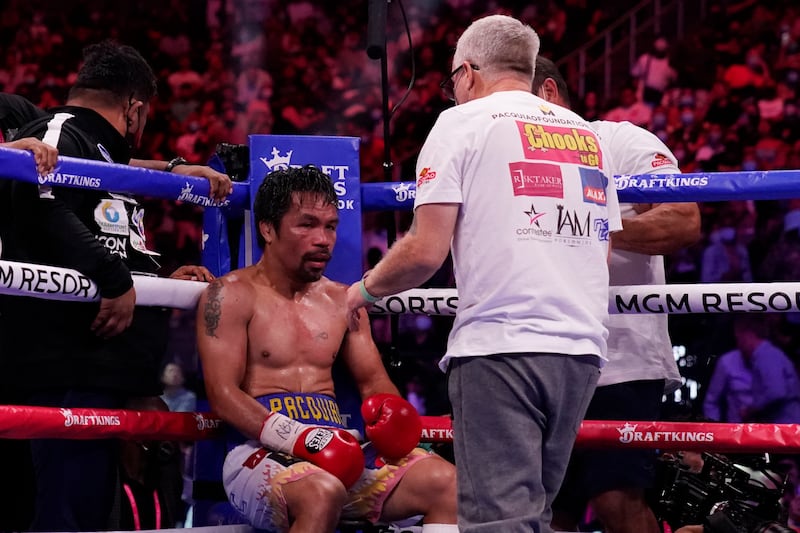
531	239
639	346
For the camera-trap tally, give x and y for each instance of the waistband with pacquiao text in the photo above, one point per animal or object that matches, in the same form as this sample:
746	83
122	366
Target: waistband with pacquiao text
309	408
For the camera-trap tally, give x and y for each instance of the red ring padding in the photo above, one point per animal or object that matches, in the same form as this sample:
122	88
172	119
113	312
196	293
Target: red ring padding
22	422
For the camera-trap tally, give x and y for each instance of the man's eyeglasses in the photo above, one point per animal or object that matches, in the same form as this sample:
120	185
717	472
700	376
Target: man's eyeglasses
448	84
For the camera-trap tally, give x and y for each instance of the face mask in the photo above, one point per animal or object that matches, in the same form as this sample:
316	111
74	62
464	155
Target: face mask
749	165
686	101
659	120
766	154
727	234
663	135
687	118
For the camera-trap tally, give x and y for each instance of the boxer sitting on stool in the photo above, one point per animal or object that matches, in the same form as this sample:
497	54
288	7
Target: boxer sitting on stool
268	336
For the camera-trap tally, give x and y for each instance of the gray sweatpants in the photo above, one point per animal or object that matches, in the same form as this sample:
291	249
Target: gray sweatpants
515	418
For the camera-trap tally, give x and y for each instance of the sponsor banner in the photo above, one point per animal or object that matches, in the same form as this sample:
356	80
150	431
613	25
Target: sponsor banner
672	436
56	283
99	175
707	186
215	245
388	195
647	188
24	422
335	156
706	298
696	436
779	297
48	282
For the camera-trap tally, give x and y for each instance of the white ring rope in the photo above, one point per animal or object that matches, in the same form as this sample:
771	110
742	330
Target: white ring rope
55	283
777	297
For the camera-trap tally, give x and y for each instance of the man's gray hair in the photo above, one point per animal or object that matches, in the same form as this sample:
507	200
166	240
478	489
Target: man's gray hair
498	44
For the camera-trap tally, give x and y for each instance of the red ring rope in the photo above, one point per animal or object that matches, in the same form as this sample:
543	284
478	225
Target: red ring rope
23	422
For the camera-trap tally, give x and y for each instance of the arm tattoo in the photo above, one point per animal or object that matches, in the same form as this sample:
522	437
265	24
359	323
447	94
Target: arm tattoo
212	312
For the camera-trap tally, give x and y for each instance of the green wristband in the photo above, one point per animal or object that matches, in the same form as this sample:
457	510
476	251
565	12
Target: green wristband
365	294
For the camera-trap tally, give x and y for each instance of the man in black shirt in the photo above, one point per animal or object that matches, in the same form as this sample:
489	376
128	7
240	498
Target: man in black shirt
67	354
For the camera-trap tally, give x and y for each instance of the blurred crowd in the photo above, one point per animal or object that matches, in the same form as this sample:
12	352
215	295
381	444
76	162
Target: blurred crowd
723	97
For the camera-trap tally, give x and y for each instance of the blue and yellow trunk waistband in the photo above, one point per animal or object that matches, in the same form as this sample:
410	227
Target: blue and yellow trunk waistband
310	408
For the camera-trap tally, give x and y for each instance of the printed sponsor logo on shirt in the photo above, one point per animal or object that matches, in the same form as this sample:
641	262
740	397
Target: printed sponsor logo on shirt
139	244
536	230
104	153
546	110
660	160
563	145
425	176
594	185
574	227
112	217
115	245
536	179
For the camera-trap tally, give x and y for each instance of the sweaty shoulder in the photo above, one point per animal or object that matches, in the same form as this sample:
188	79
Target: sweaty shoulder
334	290
234	288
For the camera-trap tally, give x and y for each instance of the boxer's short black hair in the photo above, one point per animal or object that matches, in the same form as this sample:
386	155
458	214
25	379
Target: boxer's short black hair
545	68
117	69
274	197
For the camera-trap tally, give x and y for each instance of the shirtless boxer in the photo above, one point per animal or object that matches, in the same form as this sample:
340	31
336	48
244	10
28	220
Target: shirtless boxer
268	336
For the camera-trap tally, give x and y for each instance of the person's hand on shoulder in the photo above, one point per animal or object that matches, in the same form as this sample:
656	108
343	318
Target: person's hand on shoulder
44	155
220	185
356	298
115	314
193	273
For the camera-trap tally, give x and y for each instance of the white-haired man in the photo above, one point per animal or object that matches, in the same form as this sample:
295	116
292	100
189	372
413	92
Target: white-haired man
516	187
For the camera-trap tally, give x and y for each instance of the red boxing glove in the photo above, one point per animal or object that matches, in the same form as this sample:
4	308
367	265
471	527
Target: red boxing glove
392	424
334	450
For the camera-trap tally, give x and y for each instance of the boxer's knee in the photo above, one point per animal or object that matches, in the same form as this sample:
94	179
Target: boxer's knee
442	480
318	498
321	491
435	481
